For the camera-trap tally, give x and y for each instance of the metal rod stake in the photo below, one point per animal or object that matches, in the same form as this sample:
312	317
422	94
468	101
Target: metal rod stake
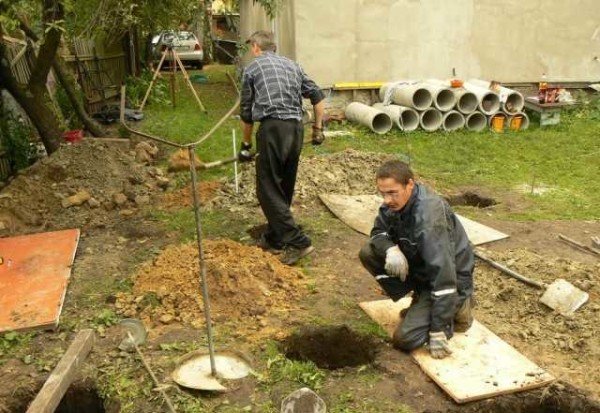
211	350
235	164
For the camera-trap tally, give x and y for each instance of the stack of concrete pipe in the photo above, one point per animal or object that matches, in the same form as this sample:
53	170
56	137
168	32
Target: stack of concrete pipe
433	104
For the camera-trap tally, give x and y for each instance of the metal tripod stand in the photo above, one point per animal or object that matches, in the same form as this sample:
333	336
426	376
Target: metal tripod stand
175	62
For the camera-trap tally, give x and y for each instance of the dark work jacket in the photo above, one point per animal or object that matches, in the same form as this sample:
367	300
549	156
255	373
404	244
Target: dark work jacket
440	257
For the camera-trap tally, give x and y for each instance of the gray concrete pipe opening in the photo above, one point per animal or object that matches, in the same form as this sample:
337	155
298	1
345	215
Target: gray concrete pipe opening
476	122
466	102
430	119
512	101
452	121
518	121
376	120
414	96
405	118
489	102
443	98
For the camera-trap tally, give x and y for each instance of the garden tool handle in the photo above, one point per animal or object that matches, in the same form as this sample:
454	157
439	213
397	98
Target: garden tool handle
509	271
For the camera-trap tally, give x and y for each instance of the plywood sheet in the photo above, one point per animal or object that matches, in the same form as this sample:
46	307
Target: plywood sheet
359	212
482	365
34	274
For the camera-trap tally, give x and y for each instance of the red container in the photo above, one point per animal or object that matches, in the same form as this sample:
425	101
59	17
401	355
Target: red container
73	136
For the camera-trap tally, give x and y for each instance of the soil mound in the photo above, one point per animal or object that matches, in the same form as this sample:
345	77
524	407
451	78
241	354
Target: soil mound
79	185
243	281
349	172
512	309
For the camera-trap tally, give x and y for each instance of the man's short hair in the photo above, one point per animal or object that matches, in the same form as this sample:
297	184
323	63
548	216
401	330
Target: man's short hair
265	40
397	170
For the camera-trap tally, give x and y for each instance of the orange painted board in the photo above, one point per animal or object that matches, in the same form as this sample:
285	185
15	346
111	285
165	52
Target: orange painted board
34	274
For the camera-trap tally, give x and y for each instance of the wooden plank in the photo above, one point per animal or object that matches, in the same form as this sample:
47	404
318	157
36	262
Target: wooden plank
359	212
63	374
33	278
481	365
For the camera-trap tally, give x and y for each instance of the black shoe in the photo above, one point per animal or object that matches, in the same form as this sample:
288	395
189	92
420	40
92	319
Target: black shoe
291	255
265	245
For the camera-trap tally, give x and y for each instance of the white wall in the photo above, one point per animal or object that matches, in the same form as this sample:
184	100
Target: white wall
506	40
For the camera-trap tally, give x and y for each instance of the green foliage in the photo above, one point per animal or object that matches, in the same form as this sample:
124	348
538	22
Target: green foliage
271	7
15	139
106	318
137	87
12	340
280	368
66	109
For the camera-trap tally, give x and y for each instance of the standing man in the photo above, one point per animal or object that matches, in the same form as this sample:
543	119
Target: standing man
417	244
272	91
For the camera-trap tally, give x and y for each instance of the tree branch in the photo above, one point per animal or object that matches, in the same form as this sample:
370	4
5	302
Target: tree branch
53	11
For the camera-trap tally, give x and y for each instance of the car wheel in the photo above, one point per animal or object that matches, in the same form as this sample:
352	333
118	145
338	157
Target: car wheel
199	65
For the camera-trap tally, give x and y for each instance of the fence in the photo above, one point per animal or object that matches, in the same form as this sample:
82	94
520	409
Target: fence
100	74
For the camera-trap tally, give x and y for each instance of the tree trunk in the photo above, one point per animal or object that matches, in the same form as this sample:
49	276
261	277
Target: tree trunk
207	40
68	84
36	103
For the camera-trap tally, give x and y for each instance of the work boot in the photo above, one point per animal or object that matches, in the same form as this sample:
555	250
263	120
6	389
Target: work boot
464	316
291	255
266	245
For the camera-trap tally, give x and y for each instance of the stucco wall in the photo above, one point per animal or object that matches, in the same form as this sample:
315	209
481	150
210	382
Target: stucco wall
507	40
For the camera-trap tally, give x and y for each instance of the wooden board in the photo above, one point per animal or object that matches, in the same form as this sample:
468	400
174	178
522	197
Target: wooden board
34	274
359	212
482	365
63	374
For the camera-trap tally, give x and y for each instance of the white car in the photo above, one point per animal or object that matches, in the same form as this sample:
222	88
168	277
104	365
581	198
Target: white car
187	46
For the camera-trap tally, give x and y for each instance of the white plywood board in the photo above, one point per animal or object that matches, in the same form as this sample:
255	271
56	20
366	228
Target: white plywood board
481	365
359	213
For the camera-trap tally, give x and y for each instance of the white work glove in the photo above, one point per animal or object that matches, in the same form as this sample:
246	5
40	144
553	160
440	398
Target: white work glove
395	263
438	345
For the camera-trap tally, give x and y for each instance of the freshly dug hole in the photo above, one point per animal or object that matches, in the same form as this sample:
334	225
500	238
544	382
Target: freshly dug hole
471	199
330	347
557	398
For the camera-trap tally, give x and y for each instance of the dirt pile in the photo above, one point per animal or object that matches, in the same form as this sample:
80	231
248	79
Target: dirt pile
348	172
83	185
512	310
243	282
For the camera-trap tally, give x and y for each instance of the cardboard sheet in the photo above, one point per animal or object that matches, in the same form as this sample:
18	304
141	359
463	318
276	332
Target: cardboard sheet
34	274
359	212
482	365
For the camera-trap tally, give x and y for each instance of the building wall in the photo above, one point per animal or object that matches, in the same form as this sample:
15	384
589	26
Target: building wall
507	40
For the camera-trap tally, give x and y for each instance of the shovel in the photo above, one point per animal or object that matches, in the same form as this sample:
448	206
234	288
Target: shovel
561	296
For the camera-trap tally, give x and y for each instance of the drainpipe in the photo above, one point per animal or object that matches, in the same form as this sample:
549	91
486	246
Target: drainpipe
405	118
489	102
413	95
476	122
376	120
430	119
512	101
452	121
466	102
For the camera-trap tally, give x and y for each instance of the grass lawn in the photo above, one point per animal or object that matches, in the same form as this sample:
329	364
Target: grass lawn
564	159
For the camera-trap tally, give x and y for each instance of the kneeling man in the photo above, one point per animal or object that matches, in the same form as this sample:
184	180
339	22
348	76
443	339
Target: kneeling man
418	244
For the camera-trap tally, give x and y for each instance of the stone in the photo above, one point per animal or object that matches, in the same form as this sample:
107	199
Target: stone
93	203
162	182
78	199
303	400
142	200
166	318
119	199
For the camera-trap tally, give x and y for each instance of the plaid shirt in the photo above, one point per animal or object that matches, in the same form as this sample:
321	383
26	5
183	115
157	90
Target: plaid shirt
273	87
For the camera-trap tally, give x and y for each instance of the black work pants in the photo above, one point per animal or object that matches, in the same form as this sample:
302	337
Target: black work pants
279	143
413	330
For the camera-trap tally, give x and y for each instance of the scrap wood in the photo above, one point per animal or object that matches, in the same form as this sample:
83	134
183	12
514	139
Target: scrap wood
577	245
63	374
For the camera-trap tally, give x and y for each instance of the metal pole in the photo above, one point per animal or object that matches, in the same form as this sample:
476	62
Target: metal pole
211	350
235	169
